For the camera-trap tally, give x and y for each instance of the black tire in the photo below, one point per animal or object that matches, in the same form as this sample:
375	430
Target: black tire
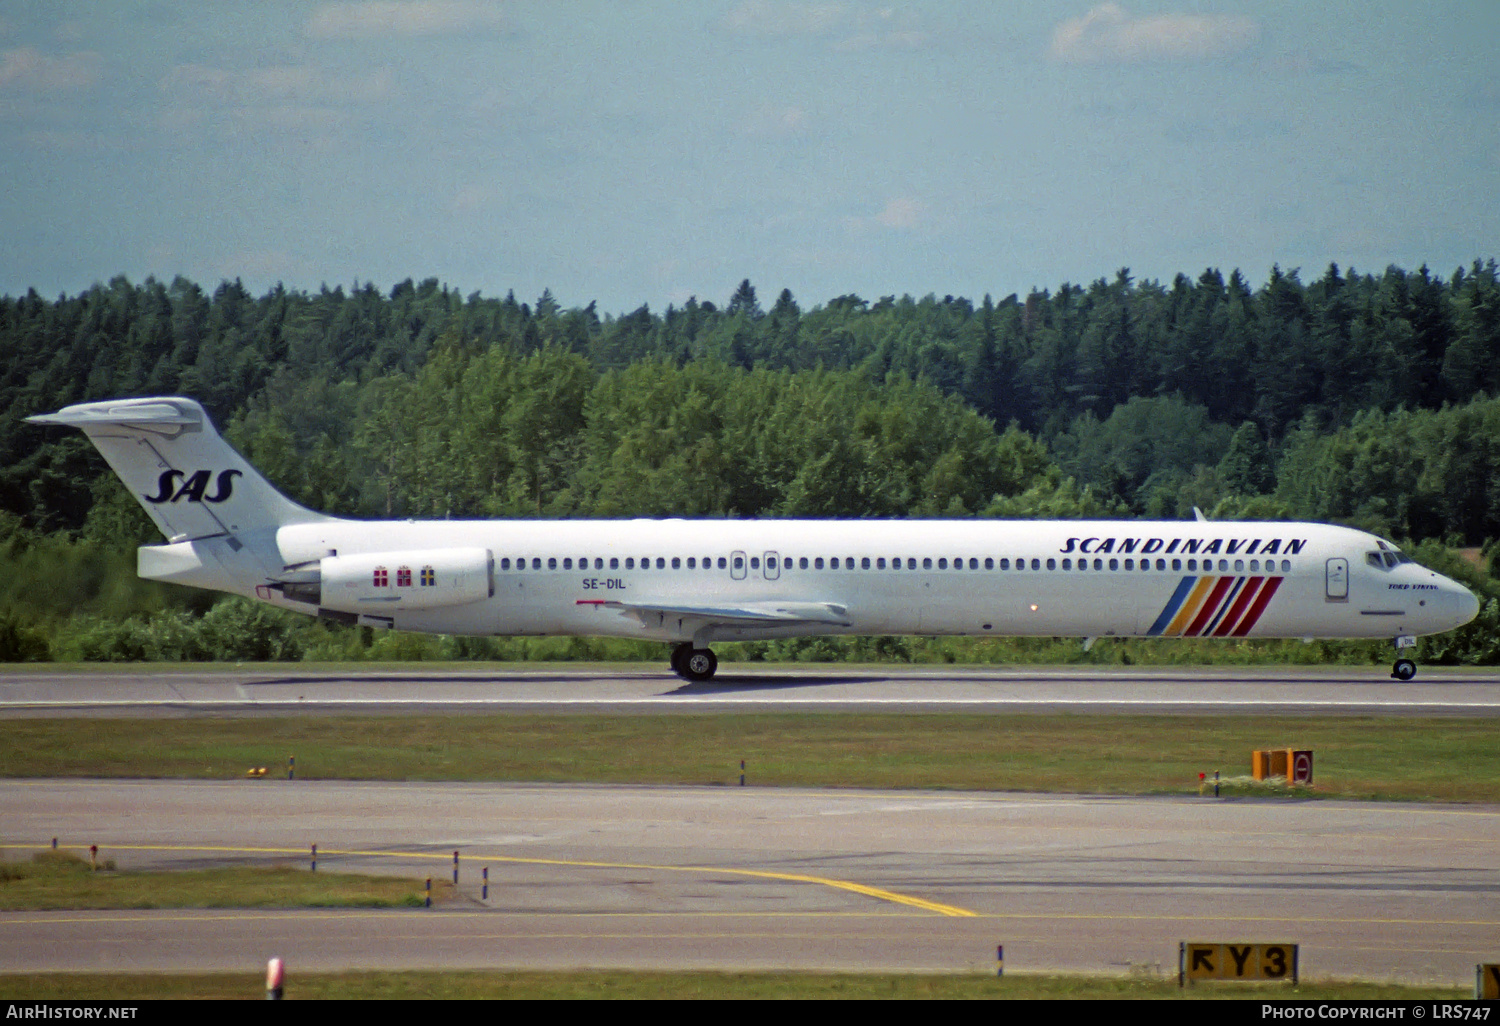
1404	669
700	664
679	655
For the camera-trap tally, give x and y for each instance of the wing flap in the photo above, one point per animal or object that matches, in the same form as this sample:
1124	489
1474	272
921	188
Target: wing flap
748	614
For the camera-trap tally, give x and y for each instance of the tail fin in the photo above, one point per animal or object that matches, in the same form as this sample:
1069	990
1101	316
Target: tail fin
186	477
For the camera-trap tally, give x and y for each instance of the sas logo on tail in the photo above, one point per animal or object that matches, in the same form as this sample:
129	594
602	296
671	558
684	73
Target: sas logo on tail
193	487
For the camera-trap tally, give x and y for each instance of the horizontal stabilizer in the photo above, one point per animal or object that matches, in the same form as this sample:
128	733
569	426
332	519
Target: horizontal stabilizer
137	414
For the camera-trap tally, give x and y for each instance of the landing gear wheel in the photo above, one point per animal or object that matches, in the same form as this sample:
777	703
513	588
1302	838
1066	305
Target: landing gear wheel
679	655
699	664
1404	669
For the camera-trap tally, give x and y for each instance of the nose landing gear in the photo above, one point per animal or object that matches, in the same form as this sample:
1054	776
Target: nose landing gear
1405	669
696	664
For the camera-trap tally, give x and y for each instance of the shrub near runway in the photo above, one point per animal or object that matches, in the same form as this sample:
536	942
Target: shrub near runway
1442	759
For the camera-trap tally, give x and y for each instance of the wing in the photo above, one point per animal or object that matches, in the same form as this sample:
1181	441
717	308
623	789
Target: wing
745	615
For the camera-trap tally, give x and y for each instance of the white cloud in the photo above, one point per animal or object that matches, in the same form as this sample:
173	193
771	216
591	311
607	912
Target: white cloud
781	18
308	102
28	68
1107	33
770	120
848	27
900	213
382	18
275	85
469	198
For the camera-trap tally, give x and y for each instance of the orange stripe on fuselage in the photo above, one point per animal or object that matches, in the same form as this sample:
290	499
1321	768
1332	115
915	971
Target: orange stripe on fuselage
1189	607
1210	607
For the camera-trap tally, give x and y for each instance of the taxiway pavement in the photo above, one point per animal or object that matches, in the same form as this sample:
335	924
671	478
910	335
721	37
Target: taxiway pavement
753	878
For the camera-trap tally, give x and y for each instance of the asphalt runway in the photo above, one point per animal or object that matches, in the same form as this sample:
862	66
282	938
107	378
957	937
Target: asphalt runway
730	878
770	687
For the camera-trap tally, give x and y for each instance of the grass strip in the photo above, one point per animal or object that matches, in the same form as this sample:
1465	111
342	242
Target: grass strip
61	880
680	985
1427	759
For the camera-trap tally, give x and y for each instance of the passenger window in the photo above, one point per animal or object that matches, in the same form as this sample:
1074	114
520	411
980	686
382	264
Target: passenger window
1223	566
739	562
926	562
1176	564
1239	565
880	563
848	562
614	562
1161	564
802	563
1130	564
864	563
567	562
989	562
942	563
505	563
1286	566
629	562
818	563
1051	564
692	563
723	563
833	562
1098	564
1114	564
536	562
1036	564
1067	564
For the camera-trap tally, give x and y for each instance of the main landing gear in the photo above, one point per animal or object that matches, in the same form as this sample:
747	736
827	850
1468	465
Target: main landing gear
1405	669
694	663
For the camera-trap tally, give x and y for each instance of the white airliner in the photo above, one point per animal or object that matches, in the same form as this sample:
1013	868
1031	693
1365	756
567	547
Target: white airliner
692	582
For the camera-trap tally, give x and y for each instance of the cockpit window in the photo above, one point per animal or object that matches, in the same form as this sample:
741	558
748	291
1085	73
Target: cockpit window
1388	556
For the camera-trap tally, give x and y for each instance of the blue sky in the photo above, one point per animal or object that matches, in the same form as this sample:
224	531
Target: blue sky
637	153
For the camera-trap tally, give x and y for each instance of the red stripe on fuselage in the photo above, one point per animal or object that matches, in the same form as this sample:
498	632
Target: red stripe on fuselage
1261	601
1210	607
1247	595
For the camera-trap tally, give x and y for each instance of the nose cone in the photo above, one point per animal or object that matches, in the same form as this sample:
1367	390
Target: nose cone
1465	604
